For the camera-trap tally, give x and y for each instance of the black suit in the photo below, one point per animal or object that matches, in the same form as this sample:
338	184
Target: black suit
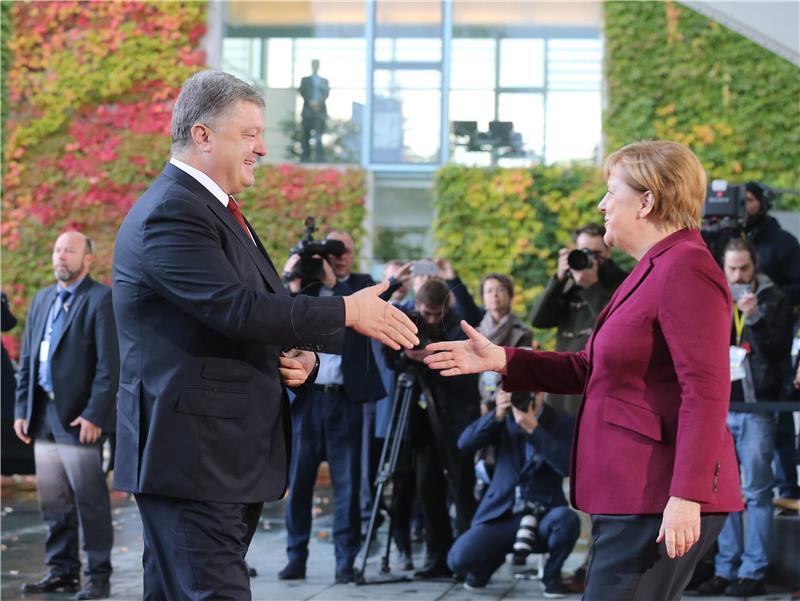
84	365
328	427
313	119
203	424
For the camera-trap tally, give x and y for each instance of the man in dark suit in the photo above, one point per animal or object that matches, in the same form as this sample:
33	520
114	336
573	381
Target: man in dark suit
532	459
314	90
327	426
67	385
209	338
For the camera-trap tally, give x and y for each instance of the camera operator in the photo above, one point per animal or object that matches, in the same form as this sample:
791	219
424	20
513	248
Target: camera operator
761	339
456	401
575	296
533	446
327	423
778	251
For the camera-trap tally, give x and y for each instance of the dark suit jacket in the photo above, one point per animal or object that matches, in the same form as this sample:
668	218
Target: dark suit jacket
541	476
307	90
85	357
362	379
202	317
655	379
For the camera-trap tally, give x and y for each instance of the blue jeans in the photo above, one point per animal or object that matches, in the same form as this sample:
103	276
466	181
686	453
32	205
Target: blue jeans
744	544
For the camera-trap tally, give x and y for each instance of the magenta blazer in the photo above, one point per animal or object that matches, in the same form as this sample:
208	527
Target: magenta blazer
655	378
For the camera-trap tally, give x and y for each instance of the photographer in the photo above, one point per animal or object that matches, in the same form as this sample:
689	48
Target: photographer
327	416
761	339
533	445
456	402
575	296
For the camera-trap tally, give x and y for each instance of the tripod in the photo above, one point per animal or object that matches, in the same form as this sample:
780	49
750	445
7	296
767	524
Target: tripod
407	381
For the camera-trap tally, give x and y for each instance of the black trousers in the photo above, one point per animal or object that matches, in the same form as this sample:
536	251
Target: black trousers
626	564
195	550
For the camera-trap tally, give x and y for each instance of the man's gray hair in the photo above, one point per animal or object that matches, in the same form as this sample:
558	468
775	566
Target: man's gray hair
203	98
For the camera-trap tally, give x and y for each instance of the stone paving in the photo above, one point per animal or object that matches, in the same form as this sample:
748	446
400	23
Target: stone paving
22	560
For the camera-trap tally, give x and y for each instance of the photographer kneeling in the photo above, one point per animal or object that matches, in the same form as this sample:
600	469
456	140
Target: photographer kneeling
532	459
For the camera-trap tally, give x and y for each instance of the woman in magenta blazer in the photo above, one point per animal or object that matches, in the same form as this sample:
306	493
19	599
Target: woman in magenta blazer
652	459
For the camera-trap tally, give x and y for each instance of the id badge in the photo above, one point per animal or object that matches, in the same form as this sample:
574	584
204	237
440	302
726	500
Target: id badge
44	351
737	356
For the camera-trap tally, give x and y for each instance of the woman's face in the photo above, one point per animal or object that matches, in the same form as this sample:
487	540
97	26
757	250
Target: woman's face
495	296
621	211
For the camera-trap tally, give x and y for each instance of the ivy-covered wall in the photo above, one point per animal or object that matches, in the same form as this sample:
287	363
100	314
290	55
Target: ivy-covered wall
674	74
90	93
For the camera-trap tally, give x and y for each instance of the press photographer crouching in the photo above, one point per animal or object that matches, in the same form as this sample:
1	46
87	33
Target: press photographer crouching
532	445
434	430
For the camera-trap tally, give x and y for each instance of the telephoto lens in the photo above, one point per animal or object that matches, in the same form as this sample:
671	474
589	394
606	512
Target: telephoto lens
526	538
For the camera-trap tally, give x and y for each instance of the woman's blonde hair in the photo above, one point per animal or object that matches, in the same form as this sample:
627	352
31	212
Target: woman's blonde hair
671	172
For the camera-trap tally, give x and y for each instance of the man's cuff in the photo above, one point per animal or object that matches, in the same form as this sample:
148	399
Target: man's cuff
312	377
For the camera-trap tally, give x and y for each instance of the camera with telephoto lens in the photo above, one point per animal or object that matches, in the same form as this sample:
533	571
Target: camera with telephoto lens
528	532
312	253
522	400
582	258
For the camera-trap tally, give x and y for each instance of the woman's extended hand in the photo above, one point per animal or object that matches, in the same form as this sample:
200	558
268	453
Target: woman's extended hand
470	356
680	528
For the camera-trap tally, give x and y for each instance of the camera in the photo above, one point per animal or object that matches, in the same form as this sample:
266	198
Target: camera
424	268
528	532
581	259
312	252
724	215
522	400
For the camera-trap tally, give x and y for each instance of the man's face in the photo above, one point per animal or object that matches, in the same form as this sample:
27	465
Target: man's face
752	205
235	143
495	297
593	243
343	266
739	268
70	257
432	316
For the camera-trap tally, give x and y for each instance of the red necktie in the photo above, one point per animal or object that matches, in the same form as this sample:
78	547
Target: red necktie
237	215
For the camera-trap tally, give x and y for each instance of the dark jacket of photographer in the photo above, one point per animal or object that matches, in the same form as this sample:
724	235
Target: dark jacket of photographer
457	398
768	336
360	374
540	476
573	309
778	255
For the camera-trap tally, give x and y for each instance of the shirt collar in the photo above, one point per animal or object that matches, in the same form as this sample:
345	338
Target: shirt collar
208	183
72	287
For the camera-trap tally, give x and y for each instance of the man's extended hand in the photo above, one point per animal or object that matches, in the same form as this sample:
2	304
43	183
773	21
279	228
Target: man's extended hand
21	430
89	432
467	356
366	313
680	528
295	366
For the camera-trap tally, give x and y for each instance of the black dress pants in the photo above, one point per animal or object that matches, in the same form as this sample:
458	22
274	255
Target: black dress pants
626	564
195	550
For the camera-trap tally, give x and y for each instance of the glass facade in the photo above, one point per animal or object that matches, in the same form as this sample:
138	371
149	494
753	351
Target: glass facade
521	80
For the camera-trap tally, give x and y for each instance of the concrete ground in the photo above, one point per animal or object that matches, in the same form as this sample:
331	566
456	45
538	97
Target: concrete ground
22	559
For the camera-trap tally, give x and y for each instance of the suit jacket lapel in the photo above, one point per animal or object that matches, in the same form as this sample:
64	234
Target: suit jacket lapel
256	252
628	286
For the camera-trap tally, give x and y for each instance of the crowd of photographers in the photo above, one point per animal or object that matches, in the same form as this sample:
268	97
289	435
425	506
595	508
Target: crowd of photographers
485	468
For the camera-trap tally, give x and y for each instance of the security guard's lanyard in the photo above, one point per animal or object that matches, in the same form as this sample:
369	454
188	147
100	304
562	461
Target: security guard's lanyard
738	323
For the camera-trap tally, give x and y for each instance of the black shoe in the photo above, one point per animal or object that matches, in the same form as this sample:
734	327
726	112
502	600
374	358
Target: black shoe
715	586
52	583
345	576
746	587
555	589
94	589
433	570
474	583
402	539
294	570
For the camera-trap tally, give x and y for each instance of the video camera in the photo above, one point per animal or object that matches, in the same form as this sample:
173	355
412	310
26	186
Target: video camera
724	215
312	253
